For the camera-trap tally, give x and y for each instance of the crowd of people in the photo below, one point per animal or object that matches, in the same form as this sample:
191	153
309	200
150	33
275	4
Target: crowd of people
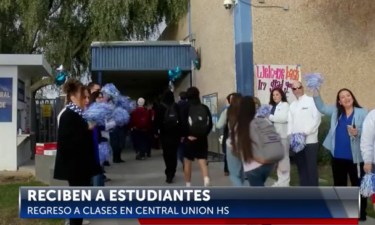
183	128
350	140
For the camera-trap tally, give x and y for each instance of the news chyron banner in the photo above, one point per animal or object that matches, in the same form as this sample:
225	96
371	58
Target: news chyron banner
216	205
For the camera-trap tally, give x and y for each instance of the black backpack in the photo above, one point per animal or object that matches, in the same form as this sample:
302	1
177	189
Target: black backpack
171	122
198	121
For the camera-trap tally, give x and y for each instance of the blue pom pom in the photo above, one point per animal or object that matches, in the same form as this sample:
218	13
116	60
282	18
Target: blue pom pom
264	111
297	142
367	188
120	116
104	152
111	90
98	112
125	103
313	81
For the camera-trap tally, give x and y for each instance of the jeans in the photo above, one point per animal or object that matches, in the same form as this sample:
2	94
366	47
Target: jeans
258	176
235	169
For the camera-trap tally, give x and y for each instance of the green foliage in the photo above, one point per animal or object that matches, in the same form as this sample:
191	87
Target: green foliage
324	155
63	30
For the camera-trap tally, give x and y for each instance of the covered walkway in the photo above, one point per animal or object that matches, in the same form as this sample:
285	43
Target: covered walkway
150	172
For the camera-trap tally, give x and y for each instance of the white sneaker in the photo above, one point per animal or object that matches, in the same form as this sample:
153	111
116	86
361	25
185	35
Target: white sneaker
207	182
84	222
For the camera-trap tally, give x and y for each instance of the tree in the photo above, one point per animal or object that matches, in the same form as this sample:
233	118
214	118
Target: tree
63	29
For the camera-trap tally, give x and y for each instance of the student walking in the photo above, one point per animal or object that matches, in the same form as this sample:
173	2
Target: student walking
182	103
197	121
343	140
223	123
233	160
167	125
279	118
259	153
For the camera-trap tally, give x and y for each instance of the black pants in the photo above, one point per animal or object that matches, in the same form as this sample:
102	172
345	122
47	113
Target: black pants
140	142
224	148
307	165
83	182
341	169
115	141
170	148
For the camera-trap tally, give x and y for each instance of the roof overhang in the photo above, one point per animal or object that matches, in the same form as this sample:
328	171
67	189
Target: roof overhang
34	65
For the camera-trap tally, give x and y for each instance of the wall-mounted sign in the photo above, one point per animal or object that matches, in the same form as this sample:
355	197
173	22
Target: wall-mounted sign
46	111
268	77
6	85
21	91
211	102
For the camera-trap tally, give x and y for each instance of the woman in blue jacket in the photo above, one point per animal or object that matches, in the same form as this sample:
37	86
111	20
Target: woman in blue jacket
343	140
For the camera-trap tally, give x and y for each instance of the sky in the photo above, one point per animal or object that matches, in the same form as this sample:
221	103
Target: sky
50	92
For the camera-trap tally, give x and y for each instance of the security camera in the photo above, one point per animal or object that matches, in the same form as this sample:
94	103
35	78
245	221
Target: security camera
228	4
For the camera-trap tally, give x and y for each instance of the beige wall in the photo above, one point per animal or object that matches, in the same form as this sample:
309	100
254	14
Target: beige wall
333	37
177	31
213	27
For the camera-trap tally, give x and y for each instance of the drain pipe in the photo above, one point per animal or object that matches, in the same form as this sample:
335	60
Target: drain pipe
191	41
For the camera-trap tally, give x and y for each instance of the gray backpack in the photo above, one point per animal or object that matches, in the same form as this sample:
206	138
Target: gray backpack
266	142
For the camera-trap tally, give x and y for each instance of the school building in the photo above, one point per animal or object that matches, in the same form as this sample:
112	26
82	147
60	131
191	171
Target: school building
334	38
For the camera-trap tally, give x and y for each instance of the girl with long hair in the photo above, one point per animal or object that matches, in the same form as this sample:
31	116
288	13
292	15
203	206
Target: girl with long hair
343	140
279	118
242	144
233	161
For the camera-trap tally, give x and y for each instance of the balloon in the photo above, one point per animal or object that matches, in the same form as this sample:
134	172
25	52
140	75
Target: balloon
60	78
174	74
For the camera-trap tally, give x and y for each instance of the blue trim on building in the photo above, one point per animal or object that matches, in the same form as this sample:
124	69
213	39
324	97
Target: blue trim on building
140	58
243	39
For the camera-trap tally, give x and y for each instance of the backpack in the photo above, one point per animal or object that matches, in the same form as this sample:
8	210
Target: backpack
143	117
171	122
198	120
266	142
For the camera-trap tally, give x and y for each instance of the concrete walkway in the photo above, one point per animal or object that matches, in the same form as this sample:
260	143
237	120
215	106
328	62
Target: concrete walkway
151	173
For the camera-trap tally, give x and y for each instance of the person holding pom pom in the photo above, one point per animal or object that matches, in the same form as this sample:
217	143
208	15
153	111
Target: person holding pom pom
368	145
304	118
75	158
279	117
344	139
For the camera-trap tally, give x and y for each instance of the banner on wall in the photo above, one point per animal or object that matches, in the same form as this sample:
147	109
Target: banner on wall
268	77
6	85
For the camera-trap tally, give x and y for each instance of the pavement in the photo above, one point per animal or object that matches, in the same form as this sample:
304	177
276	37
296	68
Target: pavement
151	173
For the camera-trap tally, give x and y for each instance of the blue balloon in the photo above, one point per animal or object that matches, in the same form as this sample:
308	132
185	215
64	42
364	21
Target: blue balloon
60	78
